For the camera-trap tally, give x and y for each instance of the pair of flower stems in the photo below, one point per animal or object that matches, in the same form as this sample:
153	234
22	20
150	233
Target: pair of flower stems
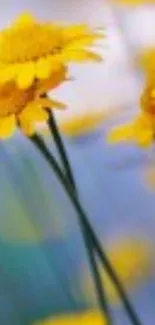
91	241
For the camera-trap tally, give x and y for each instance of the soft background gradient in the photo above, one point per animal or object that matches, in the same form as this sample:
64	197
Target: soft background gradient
42	257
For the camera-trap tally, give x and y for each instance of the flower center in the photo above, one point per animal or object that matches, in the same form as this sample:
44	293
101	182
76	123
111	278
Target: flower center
19	44
13	100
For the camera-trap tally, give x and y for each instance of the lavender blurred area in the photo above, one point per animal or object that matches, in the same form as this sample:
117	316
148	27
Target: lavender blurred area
41	248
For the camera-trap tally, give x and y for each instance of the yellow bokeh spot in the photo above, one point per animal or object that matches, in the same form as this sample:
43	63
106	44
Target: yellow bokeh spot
82	124
122	133
131	260
93	317
134	2
149	177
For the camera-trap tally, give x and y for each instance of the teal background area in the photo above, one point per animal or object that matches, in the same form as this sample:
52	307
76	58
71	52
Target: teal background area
41	249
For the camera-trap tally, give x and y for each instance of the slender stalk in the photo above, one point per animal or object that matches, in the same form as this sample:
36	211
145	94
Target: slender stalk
100	290
61	149
39	143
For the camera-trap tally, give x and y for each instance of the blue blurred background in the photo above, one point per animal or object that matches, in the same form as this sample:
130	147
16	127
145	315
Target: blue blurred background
43	264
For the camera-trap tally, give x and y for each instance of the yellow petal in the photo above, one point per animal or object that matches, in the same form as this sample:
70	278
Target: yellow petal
71	33
51	103
85	41
144	121
78	36
43	68
144	138
26	75
54	80
146	60
78	55
31	115
55	63
122	133
7	126
34	112
27	127
24	19
8	73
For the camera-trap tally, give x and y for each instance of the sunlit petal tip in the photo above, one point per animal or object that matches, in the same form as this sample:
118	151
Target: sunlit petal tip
93	56
73	32
79	56
55	104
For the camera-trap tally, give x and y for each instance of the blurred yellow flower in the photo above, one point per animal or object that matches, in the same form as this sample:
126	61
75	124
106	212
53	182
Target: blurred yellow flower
149	176
142	129
93	317
22	108
30	50
131	259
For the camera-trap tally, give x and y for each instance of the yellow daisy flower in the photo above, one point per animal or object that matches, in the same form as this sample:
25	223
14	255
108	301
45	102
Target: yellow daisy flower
23	108
131	259
86	318
31	50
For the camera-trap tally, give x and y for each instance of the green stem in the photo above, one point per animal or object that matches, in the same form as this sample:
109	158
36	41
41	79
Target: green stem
61	149
39	143
100	291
